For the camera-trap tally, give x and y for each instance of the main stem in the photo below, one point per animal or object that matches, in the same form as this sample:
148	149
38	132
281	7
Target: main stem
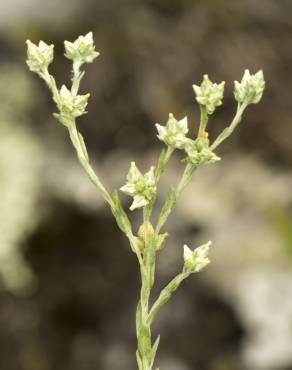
229	129
145	354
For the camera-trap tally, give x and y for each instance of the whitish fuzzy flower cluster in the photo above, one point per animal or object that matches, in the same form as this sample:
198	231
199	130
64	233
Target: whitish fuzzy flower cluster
69	103
174	133
209	94
73	105
81	50
195	261
141	187
199	152
250	89
39	56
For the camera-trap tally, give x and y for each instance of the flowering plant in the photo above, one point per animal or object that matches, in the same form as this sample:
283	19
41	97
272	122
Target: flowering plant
148	240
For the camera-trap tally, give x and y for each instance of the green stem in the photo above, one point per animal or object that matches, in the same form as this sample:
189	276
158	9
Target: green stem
77	76
188	172
166	294
169	205
143	330
162	162
228	130
51	83
159	170
84	160
79	146
203	121
146	351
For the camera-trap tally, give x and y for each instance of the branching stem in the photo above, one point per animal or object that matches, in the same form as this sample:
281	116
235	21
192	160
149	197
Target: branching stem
143	187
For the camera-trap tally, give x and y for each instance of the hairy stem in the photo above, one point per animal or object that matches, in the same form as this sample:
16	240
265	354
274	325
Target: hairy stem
166	294
203	121
229	129
159	170
162	162
84	160
169	204
77	76
145	353
80	148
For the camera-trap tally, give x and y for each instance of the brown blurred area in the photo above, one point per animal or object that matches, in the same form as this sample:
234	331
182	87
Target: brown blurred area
69	282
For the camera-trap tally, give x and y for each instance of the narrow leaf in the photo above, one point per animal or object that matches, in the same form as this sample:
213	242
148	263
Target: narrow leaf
154	349
138	318
139	361
144	343
119	214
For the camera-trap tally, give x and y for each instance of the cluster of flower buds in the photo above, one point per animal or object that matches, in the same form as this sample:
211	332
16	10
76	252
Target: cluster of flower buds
250	89
70	105
199	152
174	133
81	50
209	94
141	187
145	231
195	261
39	56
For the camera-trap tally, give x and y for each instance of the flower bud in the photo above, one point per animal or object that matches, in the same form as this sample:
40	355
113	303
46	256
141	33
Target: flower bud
39	57
82	49
250	89
72	105
174	133
195	261
198	152
141	187
209	94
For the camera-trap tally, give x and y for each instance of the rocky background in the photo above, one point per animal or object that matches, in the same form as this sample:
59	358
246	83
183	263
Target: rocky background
69	283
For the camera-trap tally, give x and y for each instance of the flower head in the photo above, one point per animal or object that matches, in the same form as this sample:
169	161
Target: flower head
196	260
39	56
82	49
198	152
250	89
141	187
73	105
209	94
174	133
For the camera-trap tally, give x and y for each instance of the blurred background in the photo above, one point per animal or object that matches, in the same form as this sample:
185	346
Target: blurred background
69	283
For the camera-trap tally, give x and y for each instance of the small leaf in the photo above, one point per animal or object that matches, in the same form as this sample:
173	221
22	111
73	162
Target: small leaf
160	241
65	120
119	214
144	343
139	361
138	318
154	349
